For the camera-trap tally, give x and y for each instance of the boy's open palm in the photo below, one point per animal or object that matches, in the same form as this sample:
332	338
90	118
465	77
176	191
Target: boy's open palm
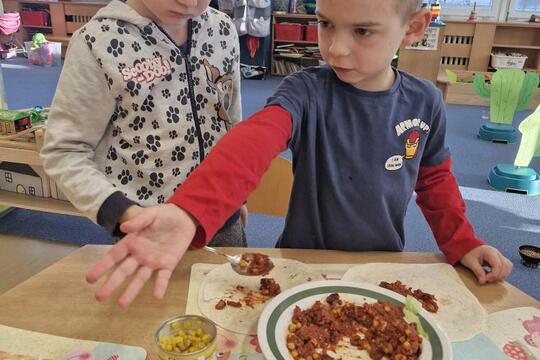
157	238
487	255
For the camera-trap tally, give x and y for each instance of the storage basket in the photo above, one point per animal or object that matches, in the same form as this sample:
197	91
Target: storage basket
35	18
288	31
312	32
515	61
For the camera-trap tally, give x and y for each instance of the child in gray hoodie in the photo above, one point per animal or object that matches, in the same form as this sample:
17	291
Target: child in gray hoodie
147	89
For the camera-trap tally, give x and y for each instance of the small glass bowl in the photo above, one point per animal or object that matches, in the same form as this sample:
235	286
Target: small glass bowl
166	329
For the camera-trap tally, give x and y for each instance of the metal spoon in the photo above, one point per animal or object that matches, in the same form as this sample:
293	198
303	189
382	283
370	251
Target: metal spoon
234	260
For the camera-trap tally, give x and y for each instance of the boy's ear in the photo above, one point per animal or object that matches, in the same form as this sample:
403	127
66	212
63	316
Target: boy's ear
417	26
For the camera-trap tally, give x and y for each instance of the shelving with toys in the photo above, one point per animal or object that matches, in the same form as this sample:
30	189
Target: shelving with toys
294	43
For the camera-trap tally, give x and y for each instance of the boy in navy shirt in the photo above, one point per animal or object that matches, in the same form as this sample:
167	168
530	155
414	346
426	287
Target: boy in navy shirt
364	137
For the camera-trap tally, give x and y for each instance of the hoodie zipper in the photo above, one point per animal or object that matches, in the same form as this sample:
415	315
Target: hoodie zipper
191	87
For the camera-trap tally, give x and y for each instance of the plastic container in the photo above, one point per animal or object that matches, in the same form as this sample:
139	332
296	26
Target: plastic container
172	326
35	18
312	32
508	61
289	31
530	255
50	53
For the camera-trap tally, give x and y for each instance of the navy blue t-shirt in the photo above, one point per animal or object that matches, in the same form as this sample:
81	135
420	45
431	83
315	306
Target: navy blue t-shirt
356	158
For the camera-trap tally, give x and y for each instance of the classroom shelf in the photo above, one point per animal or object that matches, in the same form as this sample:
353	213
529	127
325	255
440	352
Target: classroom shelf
37	203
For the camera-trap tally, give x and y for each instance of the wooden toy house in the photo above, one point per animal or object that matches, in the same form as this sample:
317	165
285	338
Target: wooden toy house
11	126
24	179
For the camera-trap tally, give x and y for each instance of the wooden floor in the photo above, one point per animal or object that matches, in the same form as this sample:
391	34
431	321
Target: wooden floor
21	258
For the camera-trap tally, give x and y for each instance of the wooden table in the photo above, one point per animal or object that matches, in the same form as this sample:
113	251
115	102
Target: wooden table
58	301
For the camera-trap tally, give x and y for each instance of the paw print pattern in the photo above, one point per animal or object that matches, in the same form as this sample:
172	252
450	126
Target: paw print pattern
137	139
140	174
152	142
195	63
108	170
155	124
224	28
166	93
121	66
135	106
156	54
139	157
105	28
136	46
209	140
176	57
133	88
124	144
183	97
138	123
228	65
116	131
204	16
173	134
196	80
182	77
195	155
178	154
112	155
146	33
201	101
90	40
125	177
189	117
115	47
144	193
173	115
161	199
207	50
223	44
190	171
190	135
148	104
194	44
83	30
124	161
216	124
158	163
122	28
196	26
210	32
202	119
100	62
108	80
156	179
176	172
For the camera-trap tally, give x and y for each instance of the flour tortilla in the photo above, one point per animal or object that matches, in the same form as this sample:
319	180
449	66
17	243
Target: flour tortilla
218	282
460	314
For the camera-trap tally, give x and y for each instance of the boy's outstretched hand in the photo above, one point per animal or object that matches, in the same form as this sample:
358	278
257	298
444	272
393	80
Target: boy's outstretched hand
487	255
157	238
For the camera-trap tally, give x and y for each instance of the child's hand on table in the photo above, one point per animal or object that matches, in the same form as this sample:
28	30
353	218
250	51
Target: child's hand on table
157	238
487	255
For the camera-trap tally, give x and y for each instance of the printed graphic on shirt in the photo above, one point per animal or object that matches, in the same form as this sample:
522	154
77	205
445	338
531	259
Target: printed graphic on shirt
412	130
223	85
148	70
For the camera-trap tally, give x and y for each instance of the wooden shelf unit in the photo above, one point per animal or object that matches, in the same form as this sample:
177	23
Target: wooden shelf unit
65	18
301	62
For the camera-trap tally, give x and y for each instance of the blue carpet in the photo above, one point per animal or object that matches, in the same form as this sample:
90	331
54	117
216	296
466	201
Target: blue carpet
503	220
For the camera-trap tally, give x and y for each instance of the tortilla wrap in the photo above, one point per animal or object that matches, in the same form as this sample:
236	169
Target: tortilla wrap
460	314
221	282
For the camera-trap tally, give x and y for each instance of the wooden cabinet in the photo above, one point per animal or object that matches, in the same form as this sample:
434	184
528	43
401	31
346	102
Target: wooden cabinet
65	17
284	63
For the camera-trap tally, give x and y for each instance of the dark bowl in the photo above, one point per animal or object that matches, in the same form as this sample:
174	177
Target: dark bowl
530	255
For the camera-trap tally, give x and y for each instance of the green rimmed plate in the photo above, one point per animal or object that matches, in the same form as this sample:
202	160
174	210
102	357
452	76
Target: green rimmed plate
274	320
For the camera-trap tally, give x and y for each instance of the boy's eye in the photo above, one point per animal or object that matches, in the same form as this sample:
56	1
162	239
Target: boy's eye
362	32
323	23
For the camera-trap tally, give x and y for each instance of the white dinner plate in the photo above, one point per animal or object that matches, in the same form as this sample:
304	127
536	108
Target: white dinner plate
277	315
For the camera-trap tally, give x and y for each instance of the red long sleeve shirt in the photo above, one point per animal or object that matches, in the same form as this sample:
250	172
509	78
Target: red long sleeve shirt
234	168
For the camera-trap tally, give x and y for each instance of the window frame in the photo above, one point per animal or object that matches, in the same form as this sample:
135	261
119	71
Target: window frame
516	15
9	177
463	14
32	190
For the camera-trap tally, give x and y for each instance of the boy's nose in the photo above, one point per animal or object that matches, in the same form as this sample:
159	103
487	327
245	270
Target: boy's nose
338	47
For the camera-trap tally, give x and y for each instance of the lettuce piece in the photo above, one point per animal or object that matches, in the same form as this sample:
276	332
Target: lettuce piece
411	310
